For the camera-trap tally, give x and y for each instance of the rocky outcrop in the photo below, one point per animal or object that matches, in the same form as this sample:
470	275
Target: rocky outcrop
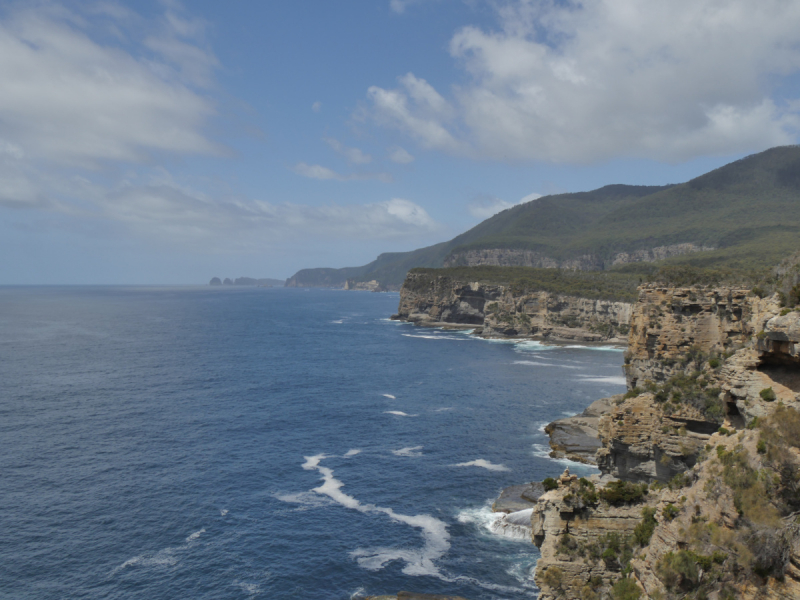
577	438
499	311
517	257
364	286
658	253
666	323
641	442
508	257
518	497
574	536
713	366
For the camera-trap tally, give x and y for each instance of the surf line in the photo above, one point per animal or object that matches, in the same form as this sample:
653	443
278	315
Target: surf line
417	562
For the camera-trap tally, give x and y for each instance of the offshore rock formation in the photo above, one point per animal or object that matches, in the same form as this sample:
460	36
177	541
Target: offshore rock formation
517	257
714	429
500	312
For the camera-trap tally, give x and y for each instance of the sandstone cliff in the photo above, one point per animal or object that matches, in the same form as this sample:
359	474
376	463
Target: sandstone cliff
710	430
510	257
500	311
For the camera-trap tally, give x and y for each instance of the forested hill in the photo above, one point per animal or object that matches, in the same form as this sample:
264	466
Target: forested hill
745	215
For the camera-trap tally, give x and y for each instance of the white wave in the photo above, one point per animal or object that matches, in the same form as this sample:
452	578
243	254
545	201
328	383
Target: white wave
417	561
600	348
304	499
444	409
252	589
358	594
163	558
541	364
615	379
398	413
542	426
352	452
532	346
195	535
414	451
223	512
543	451
433	337
485	464
338	321
515	528
390	396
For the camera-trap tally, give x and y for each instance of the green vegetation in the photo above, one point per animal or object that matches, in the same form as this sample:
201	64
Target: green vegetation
553	577
644	530
601	285
670	512
746	210
623	492
767	394
626	589
688	388
549	484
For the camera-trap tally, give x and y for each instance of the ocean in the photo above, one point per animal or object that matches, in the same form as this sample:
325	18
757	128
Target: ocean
185	442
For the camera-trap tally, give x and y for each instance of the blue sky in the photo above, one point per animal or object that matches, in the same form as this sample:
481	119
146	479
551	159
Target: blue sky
159	142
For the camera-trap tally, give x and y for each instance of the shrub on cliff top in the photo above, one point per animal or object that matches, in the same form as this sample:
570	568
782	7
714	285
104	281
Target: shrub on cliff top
549	484
620	492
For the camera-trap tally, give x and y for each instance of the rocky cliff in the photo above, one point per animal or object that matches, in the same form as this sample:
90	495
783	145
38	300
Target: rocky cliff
700	460
502	311
510	257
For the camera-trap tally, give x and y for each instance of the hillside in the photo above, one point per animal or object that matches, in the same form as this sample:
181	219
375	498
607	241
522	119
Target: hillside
744	215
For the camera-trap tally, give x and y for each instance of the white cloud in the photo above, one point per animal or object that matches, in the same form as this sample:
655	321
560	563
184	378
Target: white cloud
317	106
320	172
399	6
485	207
400	155
584	82
418	110
167	211
68	99
353	155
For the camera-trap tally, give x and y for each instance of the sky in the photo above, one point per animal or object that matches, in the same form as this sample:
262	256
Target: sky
158	142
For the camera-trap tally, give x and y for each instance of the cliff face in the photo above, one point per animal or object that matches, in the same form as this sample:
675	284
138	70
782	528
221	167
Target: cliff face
508	257
711	430
502	312
667	322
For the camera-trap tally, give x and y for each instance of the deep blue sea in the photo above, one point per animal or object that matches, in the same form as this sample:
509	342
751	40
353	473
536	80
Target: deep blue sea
166	443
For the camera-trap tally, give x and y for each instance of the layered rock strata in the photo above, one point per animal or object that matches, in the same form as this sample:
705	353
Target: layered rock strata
517	257
577	438
497	311
706	369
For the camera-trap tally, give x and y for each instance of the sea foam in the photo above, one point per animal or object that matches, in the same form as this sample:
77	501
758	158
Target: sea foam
417	561
484	464
414	451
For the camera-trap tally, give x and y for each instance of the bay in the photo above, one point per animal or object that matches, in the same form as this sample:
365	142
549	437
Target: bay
260	442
